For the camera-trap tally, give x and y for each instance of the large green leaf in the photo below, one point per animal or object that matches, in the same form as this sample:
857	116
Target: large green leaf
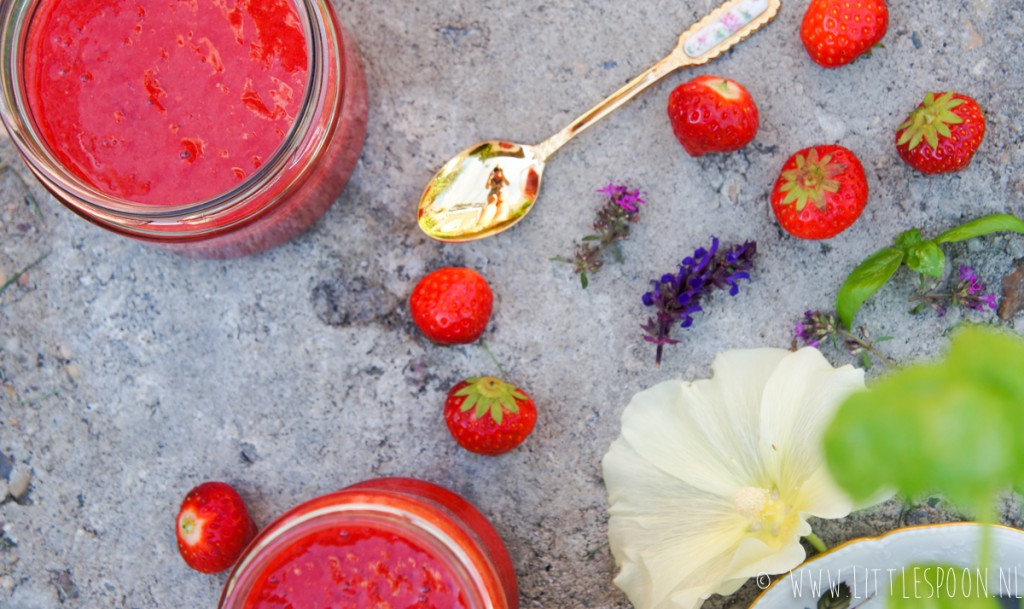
865	280
951	427
982	226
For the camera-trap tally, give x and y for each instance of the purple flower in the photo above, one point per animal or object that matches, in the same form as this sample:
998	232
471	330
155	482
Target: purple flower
678	296
814	328
969	292
622	196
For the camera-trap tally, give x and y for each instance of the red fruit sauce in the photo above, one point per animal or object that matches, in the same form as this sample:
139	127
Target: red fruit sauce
354	566
165	102
214	128
391	542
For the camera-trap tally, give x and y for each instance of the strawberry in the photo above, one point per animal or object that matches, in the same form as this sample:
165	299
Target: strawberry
213	527
820	192
835	32
942	134
712	114
489	416
452	306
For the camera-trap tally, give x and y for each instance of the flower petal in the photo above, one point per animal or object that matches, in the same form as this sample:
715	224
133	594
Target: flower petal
655	543
705	433
800	399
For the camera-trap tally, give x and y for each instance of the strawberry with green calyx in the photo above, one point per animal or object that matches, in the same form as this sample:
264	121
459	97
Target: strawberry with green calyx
820	192
942	134
488	416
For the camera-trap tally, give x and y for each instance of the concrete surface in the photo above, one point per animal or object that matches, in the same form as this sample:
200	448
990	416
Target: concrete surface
129	375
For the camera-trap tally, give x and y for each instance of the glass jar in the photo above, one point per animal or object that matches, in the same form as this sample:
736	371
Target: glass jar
273	200
386	542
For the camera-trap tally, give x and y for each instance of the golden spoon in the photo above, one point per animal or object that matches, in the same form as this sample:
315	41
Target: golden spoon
492	185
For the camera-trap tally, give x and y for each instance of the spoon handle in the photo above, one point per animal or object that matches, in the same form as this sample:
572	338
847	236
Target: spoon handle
716	33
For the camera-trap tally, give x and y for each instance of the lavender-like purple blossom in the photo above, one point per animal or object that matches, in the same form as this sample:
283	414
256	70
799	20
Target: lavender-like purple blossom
968	294
611	225
621	195
678	296
817	328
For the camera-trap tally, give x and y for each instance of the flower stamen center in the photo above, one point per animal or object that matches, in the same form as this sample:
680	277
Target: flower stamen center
763	508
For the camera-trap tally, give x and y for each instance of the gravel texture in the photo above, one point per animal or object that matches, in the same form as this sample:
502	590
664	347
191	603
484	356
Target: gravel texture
128	375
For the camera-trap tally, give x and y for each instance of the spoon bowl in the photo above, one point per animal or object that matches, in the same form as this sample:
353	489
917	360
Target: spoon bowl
492	185
482	191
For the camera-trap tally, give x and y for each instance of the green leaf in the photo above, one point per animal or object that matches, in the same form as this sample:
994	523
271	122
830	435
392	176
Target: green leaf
982	226
909	238
865	280
926	258
583	279
949	427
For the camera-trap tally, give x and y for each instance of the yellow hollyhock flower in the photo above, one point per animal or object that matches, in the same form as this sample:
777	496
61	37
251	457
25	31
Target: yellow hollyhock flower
711	482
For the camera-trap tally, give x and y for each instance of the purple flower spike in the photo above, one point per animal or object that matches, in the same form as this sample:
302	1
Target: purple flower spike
679	296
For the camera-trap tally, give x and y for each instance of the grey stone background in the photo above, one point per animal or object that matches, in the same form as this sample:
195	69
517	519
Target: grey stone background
129	375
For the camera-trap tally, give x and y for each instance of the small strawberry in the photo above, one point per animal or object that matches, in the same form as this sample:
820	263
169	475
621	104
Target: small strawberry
835	32
942	134
820	192
712	114
452	306
488	416
213	527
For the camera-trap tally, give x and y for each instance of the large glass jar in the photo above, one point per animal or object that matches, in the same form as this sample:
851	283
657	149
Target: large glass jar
147	117
389	542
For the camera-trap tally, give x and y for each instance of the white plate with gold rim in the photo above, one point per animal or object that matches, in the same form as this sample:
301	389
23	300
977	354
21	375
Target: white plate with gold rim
894	564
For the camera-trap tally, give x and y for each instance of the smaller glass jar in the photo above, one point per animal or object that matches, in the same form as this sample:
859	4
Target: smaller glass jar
386	542
276	198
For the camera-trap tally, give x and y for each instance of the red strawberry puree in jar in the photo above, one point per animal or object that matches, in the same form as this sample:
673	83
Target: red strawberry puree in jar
165	102
215	127
392	542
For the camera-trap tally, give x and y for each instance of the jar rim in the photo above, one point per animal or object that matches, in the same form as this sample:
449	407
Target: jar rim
347	507
319	30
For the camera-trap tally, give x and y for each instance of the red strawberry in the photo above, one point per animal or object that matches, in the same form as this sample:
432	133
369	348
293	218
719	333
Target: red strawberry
820	192
452	306
213	527
942	134
835	32
712	114
488	416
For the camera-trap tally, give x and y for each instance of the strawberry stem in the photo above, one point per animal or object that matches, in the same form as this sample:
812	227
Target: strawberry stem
497	364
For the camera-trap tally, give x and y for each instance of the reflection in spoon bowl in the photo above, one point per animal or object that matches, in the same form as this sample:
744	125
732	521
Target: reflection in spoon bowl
482	191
